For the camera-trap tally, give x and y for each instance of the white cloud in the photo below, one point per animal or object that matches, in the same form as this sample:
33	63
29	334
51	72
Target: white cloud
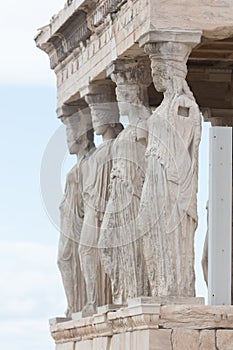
21	61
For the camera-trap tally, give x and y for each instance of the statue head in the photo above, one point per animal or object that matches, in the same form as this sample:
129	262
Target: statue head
168	62
105	116
132	101
112	129
79	132
127	96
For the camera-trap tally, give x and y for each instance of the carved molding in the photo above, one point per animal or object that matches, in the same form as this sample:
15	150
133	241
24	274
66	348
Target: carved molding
124	320
78	29
131	71
171	46
171	51
103	9
68	110
132	78
99	92
191	37
151	316
69	37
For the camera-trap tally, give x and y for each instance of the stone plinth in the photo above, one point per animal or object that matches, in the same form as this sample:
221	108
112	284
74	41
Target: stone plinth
147	325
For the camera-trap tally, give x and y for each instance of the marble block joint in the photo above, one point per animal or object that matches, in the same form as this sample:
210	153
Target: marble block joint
148	325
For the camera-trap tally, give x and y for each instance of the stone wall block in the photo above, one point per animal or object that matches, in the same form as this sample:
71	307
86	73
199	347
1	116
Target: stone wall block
120	341
160	339
207	340
183	339
66	346
102	343
84	345
224	339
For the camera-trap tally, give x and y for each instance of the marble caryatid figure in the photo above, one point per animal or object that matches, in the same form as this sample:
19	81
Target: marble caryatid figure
80	142
168	213
121	248
105	118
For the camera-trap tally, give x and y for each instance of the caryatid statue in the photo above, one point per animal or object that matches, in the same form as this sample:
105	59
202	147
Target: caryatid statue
121	248
105	119
168	208
80	142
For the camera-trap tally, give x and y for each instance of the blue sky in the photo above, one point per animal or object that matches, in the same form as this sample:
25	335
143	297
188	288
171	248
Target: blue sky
30	286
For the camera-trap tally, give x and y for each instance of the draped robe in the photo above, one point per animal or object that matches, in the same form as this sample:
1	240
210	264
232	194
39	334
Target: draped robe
168	214
121	247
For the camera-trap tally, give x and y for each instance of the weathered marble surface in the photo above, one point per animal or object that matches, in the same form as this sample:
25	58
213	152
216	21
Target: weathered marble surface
168	219
120	245
134	197
80	142
150	326
105	121
111	29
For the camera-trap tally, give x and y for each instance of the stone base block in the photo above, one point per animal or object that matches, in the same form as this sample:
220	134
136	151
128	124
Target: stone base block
145	325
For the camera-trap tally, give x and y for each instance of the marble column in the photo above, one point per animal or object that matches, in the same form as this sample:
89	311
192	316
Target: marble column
80	143
121	247
168	219
100	96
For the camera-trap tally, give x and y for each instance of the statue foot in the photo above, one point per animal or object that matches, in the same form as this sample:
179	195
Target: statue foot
89	310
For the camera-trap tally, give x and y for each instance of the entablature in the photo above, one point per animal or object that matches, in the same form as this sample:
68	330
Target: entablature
86	37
